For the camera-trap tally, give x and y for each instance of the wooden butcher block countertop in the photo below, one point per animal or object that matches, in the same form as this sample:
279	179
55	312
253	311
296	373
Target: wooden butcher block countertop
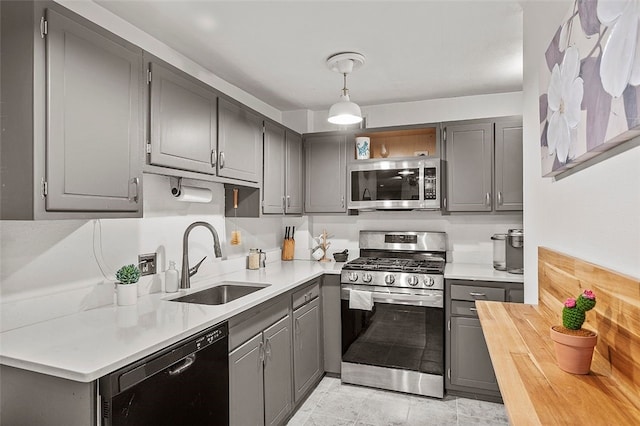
534	389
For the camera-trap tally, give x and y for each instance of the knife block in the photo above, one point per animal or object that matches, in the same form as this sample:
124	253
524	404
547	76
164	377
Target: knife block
288	248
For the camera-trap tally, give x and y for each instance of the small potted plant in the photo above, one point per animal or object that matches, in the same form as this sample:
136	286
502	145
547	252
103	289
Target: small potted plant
127	285
573	344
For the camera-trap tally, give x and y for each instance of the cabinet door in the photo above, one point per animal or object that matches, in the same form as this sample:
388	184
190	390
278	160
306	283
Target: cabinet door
508	166
277	372
94	127
325	174
239	142
331	323
293	163
274	170
469	154
246	391
307	347
470	361
183	122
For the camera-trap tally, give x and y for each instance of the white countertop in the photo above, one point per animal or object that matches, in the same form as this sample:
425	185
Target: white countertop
479	272
87	345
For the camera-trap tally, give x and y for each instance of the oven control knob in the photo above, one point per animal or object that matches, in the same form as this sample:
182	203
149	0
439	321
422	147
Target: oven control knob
412	280
366	277
353	276
389	279
429	281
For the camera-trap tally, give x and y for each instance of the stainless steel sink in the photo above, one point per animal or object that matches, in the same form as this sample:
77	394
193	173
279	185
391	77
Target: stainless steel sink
220	294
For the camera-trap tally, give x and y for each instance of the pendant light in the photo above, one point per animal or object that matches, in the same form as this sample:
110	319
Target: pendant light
345	111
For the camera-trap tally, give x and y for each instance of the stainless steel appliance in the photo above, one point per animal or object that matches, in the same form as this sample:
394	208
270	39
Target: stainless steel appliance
394	184
515	251
184	384
399	343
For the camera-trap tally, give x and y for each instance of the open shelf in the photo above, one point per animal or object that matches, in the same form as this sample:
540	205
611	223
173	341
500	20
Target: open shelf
402	143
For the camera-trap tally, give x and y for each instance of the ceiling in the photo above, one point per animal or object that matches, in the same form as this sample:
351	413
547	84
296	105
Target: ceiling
276	50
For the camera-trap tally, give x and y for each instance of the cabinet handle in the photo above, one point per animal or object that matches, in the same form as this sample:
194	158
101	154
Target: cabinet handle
284	205
267	347
261	352
444	203
487	199
499	198
214	157
473	294
342	201
473	309
288	201
221	160
135	182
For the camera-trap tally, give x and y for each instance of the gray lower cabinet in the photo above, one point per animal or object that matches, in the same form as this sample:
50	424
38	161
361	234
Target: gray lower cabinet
483	165
72	117
468	363
239	142
307	347
325	173
260	390
282	179
331	323
183	120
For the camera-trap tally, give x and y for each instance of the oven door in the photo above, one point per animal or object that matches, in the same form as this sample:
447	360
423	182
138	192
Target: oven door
398	345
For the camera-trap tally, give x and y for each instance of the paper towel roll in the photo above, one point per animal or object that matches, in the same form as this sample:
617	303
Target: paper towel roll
191	194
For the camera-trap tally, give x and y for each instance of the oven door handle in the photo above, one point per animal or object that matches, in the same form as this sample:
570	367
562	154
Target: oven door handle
429	299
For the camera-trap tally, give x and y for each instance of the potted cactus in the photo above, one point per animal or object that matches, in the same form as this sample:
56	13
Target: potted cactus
127	285
573	344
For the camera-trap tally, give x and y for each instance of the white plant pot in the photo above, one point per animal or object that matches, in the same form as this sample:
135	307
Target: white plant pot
127	294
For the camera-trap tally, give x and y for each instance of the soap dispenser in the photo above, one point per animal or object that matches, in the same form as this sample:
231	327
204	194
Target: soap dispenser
171	278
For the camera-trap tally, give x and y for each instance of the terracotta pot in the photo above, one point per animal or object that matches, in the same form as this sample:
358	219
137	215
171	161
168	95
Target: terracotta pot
573	352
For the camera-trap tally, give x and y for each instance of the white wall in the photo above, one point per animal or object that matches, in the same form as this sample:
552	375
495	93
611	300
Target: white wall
49	268
593	214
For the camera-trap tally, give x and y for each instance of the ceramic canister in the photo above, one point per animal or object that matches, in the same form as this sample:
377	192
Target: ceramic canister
363	148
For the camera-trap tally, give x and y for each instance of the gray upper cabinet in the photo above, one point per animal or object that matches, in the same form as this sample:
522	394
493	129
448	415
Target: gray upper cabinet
72	117
273	197
469	154
307	347
325	173
183	121
293	175
239	142
508	166
282	181
484	165
93	120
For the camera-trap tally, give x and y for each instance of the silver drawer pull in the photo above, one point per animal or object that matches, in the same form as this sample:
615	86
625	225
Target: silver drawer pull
473	309
473	294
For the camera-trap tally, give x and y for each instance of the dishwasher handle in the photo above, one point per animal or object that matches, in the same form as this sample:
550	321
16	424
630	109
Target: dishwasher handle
184	365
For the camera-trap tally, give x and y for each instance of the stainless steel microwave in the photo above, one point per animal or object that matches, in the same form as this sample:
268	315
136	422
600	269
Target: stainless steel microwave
394	185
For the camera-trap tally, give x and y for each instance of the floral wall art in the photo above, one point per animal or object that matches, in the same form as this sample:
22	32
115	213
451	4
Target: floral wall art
590	83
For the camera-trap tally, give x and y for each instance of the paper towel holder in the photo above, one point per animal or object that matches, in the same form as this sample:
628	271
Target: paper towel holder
176	185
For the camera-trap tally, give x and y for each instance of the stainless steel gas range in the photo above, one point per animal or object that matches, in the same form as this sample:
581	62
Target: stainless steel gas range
392	312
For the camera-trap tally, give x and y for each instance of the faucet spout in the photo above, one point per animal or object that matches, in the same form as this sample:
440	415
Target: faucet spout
185	275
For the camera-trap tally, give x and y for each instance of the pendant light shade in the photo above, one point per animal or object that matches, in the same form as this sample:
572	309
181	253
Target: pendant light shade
345	111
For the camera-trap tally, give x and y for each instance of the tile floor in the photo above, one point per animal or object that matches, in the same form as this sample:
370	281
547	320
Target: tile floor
335	404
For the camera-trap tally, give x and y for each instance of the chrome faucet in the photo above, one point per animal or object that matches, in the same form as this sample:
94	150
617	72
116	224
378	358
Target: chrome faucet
187	273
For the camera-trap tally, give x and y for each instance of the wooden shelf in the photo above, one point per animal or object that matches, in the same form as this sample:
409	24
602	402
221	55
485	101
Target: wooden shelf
403	143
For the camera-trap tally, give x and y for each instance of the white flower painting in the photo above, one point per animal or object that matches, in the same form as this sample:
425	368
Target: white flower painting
591	83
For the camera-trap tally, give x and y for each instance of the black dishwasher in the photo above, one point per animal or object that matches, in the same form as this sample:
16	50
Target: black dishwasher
184	384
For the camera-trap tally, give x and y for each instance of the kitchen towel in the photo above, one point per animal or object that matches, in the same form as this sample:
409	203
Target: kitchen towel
360	300
192	194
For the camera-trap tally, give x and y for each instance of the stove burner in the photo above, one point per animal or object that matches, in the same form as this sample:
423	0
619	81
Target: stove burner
435	265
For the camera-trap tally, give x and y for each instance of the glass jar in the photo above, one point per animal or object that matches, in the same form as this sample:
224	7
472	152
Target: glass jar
254	259
499	251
